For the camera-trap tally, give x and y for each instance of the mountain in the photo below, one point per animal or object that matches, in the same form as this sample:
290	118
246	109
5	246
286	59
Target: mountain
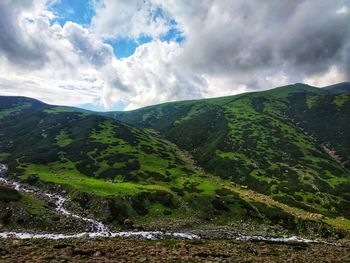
92	154
291	143
273	157
115	172
339	88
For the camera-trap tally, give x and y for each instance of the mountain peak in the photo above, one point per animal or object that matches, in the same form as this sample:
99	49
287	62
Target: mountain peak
343	87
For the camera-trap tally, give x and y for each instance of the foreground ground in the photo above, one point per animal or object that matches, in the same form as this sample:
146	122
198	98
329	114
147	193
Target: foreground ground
116	250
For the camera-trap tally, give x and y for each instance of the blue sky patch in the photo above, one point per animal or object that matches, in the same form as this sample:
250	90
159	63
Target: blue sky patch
119	106
125	47
78	11
174	34
82	12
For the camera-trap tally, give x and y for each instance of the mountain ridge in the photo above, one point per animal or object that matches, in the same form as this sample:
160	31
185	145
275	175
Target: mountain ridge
276	106
265	141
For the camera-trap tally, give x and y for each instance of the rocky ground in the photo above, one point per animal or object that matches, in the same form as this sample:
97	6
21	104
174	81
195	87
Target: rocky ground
119	250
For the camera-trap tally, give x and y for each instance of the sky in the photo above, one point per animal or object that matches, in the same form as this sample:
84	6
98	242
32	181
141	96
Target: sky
125	54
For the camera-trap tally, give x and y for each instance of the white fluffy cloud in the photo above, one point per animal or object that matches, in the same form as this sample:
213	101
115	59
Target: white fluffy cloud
230	47
46	61
132	19
333	75
153	76
233	47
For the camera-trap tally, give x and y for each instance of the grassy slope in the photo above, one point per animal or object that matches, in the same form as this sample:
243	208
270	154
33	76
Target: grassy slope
326	118
142	176
263	140
138	174
29	203
28	211
92	154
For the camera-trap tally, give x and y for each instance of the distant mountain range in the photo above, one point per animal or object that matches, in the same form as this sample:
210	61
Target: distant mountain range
280	156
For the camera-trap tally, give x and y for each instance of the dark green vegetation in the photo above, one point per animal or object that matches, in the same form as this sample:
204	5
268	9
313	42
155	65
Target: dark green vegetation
8	194
22	210
291	145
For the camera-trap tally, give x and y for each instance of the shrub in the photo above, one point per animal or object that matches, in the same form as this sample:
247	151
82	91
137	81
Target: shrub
8	194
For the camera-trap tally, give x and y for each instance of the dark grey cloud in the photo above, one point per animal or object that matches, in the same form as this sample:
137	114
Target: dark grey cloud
316	37
346	55
86	46
117	83
230	46
19	48
249	39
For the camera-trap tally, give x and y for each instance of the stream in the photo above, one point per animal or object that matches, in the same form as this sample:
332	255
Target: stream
98	229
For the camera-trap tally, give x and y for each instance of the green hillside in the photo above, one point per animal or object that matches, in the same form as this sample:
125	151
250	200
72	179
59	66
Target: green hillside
24	210
291	143
265	156
116	171
91	154
339	88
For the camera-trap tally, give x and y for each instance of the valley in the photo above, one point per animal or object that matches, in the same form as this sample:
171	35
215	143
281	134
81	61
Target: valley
269	166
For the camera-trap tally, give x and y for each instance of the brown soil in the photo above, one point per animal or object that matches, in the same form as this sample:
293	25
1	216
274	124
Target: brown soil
117	250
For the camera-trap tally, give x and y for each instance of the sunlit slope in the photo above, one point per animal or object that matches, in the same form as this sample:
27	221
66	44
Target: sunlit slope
37	134
89	153
117	171
276	142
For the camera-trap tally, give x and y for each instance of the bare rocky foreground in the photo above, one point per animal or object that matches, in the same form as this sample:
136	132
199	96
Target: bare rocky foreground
119	250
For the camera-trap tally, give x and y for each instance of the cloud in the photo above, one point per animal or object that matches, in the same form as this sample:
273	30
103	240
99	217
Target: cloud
248	37
152	77
229	47
333	75
132	19
69	93
233	47
22	49
43	60
316	37
88	46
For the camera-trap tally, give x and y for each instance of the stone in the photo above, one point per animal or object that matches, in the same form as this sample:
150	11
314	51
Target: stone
97	254
85	236
68	251
128	223
196	241
16	242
